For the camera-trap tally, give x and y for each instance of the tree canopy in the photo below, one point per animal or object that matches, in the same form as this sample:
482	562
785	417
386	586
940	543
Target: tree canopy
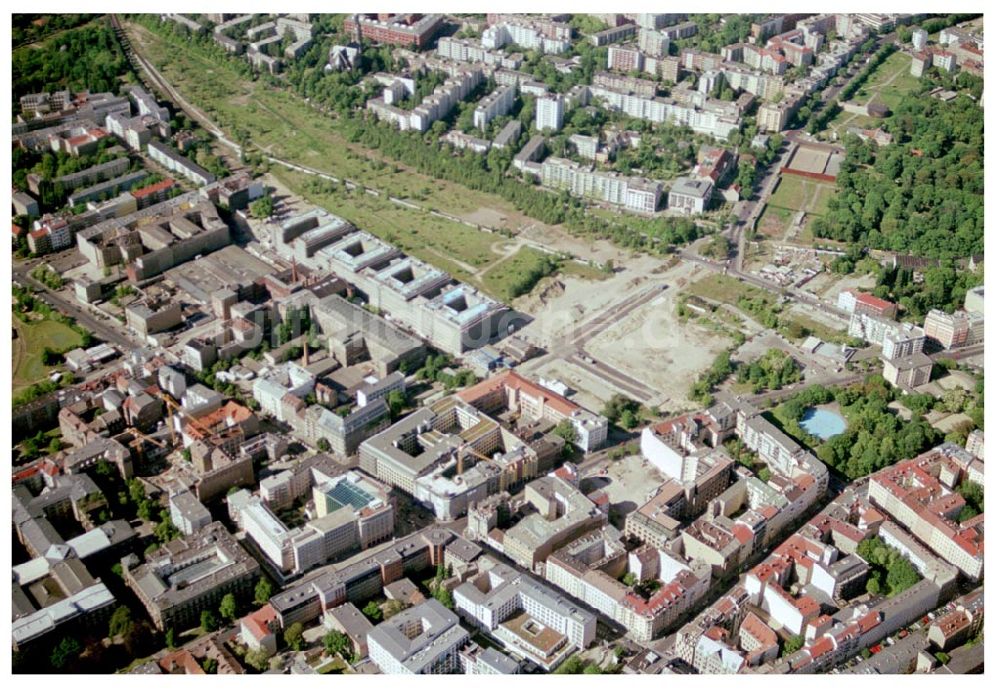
921	194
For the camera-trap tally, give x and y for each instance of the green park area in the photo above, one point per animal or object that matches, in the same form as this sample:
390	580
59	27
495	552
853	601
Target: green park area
888	84
518	274
29	347
794	194
797	193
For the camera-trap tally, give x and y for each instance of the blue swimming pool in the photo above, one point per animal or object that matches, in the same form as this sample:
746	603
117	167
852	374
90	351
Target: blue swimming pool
823	423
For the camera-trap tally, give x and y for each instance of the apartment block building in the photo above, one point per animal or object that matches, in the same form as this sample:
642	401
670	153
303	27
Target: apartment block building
176	162
512	392
908	372
654	43
497	103
955	330
549	113
590	569
634	193
352	511
689	196
625	58
854	301
896	339
912	492
527	33
411	30
468	51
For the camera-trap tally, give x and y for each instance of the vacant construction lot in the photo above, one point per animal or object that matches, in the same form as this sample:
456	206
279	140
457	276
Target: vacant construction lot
774	221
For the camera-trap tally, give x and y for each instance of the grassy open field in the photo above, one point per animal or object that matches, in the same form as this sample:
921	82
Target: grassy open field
796	193
466	253
774	221
516	275
890	82
32	338
724	289
584	271
284	126
844	120
451	246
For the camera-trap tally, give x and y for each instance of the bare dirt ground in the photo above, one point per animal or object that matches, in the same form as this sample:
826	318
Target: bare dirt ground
487	217
828	286
560	305
652	345
809	159
818	316
648	343
598	250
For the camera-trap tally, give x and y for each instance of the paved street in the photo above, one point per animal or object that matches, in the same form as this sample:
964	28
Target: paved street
105	330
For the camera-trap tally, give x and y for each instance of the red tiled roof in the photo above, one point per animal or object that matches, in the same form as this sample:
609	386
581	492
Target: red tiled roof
743	533
873	301
715	632
26	473
153	188
599	497
259	622
821	647
181	660
807	605
756	627
515	382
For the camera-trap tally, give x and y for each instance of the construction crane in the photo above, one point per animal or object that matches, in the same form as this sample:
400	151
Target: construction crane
172	407
138	438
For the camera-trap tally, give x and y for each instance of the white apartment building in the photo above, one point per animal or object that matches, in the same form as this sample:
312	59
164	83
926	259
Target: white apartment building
549	113
272	390
634	193
654	43
897	339
497	103
523	35
531	620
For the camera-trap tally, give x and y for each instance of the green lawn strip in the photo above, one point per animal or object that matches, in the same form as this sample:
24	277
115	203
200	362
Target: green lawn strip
35	337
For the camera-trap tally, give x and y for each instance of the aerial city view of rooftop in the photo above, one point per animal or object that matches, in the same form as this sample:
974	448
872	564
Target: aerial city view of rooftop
583	343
